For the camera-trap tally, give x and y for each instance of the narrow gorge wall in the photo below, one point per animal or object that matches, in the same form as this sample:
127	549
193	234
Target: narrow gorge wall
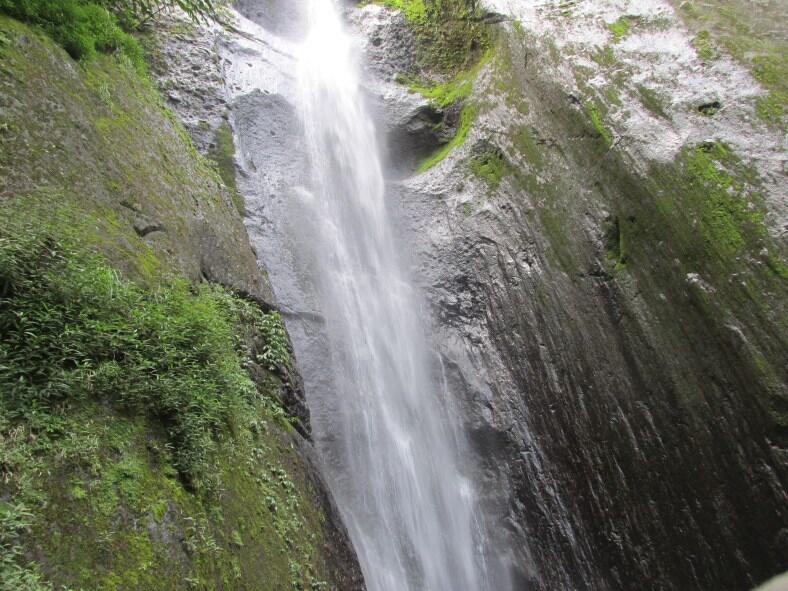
152	427
596	209
605	251
594	197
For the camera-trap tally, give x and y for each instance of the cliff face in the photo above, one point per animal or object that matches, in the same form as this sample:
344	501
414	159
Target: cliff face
604	249
595	197
156	437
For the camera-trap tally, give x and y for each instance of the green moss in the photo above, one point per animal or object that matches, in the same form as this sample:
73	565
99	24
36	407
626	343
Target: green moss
130	160
414	10
612	96
727	214
222	153
704	46
605	57
467	115
621	27
489	165
771	108
652	101
594	114
748	35
617	234
450	34
444	94
711	211
505	79
527	146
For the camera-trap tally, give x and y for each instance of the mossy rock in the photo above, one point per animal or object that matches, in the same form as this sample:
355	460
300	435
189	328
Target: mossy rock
93	494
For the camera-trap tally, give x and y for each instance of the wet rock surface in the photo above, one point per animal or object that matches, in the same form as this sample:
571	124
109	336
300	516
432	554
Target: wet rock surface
620	358
619	385
230	88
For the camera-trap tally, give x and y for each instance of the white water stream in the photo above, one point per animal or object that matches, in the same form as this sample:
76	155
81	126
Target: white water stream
389	439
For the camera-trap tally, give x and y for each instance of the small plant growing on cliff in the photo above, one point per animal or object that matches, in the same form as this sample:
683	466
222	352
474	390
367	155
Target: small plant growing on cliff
14	520
275	350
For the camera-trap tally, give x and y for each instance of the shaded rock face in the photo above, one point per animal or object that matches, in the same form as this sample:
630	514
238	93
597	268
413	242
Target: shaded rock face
622	364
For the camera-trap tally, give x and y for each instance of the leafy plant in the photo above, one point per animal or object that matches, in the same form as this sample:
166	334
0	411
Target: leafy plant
15	519
73	330
84	27
275	350
81	27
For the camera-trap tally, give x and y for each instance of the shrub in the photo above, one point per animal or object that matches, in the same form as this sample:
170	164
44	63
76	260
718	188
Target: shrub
81	28
72	329
84	27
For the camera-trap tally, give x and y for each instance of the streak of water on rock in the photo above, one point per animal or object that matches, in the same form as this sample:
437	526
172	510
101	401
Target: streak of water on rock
390	445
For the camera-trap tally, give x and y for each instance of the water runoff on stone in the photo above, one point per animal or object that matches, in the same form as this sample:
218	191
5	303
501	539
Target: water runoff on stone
390	447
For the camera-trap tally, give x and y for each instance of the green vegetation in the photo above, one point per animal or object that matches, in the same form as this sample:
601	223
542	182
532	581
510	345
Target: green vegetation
771	72
73	330
771	108
141	411
467	115
450	34
621	27
504	76
414	10
121	400
445	94
135	12
453	43
81	27
751	38
592	110
223	155
614	245
605	57
703	44
15	519
490	165
131	162
85	27
728	218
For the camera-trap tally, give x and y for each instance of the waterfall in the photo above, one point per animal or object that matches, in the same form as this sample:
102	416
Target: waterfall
391	447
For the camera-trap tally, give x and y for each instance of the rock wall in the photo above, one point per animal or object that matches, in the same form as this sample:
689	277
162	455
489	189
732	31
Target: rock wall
90	154
604	253
605	256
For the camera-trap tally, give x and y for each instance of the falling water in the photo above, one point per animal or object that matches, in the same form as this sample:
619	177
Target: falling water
389	443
